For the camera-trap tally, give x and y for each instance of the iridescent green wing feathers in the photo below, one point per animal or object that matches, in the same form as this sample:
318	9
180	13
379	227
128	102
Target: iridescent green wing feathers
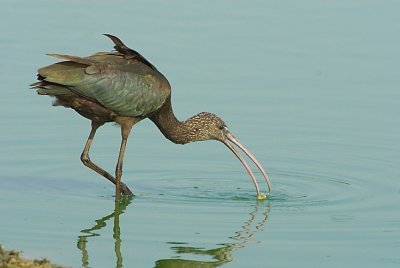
118	82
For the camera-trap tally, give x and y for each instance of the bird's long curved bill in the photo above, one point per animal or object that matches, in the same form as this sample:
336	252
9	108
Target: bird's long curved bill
232	139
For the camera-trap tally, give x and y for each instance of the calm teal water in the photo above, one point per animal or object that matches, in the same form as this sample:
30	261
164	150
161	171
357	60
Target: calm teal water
310	87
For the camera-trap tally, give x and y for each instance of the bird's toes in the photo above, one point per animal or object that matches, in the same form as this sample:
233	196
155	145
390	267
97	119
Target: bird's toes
125	190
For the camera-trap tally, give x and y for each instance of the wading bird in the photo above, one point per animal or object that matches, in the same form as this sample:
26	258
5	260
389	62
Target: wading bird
125	88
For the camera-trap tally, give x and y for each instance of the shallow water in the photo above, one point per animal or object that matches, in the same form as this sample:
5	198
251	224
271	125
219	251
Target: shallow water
310	87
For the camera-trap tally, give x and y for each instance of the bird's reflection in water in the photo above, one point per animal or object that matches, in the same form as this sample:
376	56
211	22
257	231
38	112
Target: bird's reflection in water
220	255
120	207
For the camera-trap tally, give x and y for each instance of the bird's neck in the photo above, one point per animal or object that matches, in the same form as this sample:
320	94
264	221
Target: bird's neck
179	132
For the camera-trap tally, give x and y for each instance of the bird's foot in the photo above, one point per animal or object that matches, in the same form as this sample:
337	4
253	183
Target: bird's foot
125	190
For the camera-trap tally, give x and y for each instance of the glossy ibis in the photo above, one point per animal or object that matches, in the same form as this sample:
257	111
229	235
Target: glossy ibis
123	87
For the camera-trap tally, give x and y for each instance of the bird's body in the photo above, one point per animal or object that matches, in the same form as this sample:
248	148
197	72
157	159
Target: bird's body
124	87
114	81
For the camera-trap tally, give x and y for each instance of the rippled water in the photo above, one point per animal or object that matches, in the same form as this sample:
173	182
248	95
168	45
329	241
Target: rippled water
310	87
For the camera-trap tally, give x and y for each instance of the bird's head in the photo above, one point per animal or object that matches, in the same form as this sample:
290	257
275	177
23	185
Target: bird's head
211	127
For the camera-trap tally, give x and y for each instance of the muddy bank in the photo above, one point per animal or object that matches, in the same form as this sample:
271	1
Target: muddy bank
12	259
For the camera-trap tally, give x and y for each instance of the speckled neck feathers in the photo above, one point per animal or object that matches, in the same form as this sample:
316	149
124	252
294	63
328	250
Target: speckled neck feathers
200	127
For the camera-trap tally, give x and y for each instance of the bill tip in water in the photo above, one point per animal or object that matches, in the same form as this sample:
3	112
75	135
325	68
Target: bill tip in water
261	196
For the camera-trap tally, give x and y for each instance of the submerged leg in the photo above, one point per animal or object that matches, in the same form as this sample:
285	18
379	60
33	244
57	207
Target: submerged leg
87	162
125	130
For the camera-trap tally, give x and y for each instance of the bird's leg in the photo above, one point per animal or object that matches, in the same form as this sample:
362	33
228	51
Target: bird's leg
87	162
125	130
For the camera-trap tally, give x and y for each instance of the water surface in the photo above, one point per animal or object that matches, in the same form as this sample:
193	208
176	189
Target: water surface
310	87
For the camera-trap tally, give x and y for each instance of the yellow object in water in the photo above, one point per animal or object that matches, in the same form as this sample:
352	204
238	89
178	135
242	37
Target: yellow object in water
261	196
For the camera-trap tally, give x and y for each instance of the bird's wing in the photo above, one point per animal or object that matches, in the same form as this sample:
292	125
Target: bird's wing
122	84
